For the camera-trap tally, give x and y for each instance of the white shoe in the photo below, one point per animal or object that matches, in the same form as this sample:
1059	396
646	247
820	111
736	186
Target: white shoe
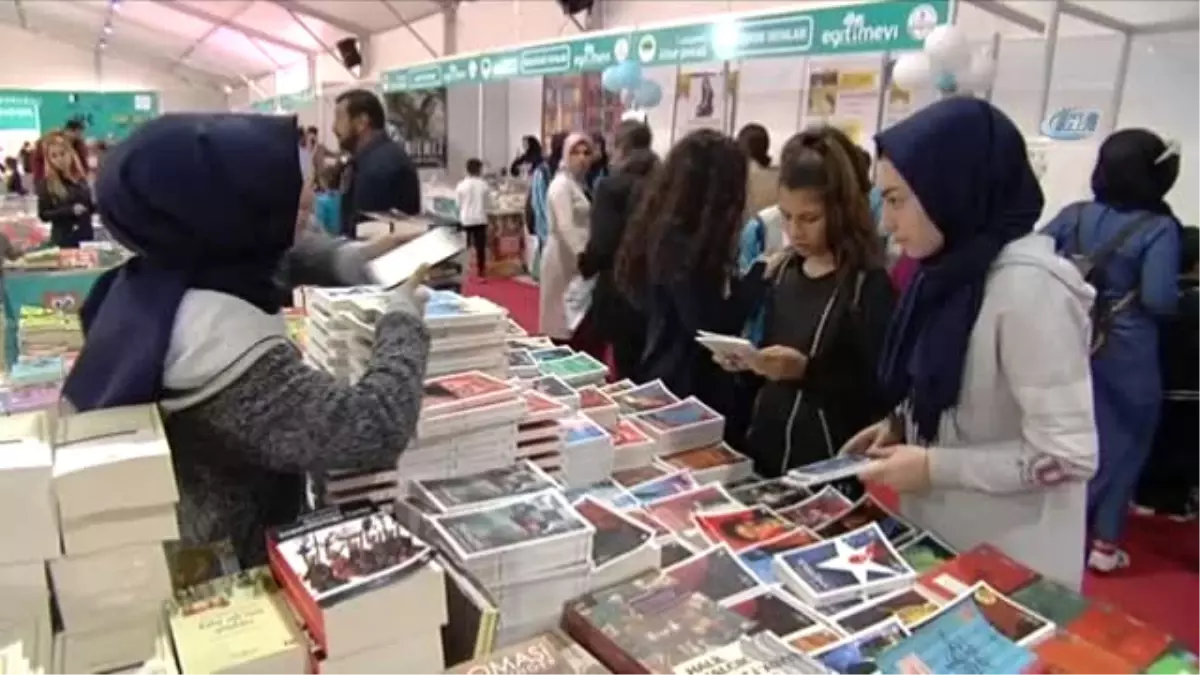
1109	560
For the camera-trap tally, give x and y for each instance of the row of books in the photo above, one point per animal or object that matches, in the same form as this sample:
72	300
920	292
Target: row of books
34	382
99	548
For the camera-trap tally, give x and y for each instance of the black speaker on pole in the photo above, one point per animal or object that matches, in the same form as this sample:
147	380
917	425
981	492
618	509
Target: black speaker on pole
572	7
348	50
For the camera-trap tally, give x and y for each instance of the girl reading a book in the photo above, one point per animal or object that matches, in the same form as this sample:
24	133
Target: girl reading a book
825	303
986	357
208	204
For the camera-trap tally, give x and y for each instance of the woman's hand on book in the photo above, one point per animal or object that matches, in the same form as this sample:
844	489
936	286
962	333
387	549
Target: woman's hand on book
904	468
879	435
780	363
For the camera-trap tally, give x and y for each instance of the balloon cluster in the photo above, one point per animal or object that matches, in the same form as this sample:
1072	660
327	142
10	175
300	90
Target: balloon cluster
625	78
947	62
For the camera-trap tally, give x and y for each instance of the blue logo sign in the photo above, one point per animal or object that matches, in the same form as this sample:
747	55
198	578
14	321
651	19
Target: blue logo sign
1071	124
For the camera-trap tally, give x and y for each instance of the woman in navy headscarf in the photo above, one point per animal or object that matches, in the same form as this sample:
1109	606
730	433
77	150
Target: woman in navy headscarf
986	356
1136	288
208	204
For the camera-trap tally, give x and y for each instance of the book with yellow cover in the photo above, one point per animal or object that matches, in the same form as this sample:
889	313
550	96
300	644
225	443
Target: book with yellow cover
236	623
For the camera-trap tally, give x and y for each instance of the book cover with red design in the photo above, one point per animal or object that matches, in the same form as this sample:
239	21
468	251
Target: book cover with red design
1129	638
982	563
454	393
742	528
1067	654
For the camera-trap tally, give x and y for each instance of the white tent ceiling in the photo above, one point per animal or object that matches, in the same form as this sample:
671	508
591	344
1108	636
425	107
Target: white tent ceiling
212	41
220	42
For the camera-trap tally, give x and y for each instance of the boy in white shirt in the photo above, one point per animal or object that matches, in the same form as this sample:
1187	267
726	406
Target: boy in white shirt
474	197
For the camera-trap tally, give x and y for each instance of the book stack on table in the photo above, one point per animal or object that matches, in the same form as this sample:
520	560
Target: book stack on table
112	580
42	331
33	383
577	369
369	594
29	525
328	333
540	435
468	424
587	453
517	535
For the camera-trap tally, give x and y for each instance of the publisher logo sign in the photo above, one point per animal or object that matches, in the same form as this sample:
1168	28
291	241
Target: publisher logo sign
1071	124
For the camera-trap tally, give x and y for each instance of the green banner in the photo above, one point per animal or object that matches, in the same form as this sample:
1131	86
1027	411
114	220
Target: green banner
107	114
283	104
859	28
19	113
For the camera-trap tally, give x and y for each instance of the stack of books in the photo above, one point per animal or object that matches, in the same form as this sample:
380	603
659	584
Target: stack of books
540	436
369	594
328	332
683	425
575	368
587	453
29	525
468	424
528	547
549	653
43	331
34	383
112	581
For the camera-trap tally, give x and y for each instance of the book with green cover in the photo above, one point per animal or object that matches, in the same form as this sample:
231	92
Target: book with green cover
1052	600
1176	660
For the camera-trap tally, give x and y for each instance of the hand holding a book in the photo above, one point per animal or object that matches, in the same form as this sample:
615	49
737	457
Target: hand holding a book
780	363
411	296
904	468
384	243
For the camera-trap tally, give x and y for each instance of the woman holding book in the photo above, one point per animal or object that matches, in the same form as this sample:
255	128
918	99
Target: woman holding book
677	263
986	357
824	309
245	416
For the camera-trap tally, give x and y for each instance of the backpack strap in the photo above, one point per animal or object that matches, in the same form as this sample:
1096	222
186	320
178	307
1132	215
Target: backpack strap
1100	257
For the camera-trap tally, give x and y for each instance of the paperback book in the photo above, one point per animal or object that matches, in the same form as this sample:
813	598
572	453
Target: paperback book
550	653
859	652
716	574
743	528
542	408
710	464
607	491
616	535
829	470
557	389
1067	653
686	424
910	606
774	611
659	488
644	398
1129	638
521	364
577	370
502	527
617	387
981	563
632	447
844	567
759	654
449	495
676	511
775	494
637	475
819	509
925	552
598	406
760	559
456	393
869	510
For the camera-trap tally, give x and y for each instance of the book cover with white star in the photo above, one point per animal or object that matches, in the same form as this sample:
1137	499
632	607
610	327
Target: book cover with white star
858	562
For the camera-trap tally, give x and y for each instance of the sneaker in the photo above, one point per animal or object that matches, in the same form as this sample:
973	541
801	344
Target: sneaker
1107	558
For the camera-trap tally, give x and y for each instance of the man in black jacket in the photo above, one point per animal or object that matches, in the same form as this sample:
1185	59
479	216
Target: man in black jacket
380	176
611	319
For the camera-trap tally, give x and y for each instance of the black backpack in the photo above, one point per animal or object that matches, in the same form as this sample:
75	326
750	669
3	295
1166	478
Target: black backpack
1092	267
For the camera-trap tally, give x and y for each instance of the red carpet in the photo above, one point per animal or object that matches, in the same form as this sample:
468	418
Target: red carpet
1161	587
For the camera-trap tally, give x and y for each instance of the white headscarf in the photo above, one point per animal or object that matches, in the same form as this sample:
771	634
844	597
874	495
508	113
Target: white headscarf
573	139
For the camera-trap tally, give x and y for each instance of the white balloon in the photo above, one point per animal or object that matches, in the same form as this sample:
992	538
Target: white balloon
948	50
980	73
912	71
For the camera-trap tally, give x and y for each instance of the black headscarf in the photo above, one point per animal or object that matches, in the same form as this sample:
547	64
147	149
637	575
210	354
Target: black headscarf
1135	171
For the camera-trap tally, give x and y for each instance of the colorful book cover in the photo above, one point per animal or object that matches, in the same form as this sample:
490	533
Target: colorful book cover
707	457
857	653
776	612
958	639
1017	623
774	494
549	653
675	511
627	433
539	406
351	556
641	516
982	563
591	397
607	490
580	429
828	470
742	528
1131	639
1052	600
551	354
686	413
649	396
541	516
553	387
761	558
818	509
857	561
656	621
628	478
815	639
1176	660
674	550
572	366
869	510
520	358
1067	654
716	574
908	605
616	534
617	387
446	393
665	486
447	494
925	552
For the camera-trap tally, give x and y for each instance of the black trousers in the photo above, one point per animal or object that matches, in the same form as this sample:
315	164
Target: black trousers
477	234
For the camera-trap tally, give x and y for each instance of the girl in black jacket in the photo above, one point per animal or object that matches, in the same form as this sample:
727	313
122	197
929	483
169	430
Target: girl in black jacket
827	301
64	197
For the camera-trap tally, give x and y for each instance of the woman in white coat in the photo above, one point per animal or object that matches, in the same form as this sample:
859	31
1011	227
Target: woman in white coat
987	352
569	214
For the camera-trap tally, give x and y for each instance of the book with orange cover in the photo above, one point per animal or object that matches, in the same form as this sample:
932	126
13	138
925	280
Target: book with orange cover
1067	654
982	563
1131	639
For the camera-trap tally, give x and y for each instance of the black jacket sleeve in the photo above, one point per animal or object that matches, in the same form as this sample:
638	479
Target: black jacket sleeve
50	208
849	370
607	226
386	185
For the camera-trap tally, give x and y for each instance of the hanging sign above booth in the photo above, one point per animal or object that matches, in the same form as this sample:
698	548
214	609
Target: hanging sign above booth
285	103
862	27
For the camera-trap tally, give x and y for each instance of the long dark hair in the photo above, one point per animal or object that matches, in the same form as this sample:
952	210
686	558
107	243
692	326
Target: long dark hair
556	153
687	216
826	160
756	143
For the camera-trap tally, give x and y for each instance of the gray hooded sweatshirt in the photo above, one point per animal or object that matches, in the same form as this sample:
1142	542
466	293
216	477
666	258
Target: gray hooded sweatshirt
1013	458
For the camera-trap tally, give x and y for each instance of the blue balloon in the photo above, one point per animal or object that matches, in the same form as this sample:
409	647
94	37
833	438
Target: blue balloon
946	83
647	95
624	75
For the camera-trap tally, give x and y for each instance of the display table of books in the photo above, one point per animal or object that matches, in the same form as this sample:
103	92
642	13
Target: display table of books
542	522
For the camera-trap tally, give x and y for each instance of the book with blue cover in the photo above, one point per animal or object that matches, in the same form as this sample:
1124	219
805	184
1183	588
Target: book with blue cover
843	567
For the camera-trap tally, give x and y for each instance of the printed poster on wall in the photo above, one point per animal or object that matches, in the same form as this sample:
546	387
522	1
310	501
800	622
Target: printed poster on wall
845	96
700	101
418	120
